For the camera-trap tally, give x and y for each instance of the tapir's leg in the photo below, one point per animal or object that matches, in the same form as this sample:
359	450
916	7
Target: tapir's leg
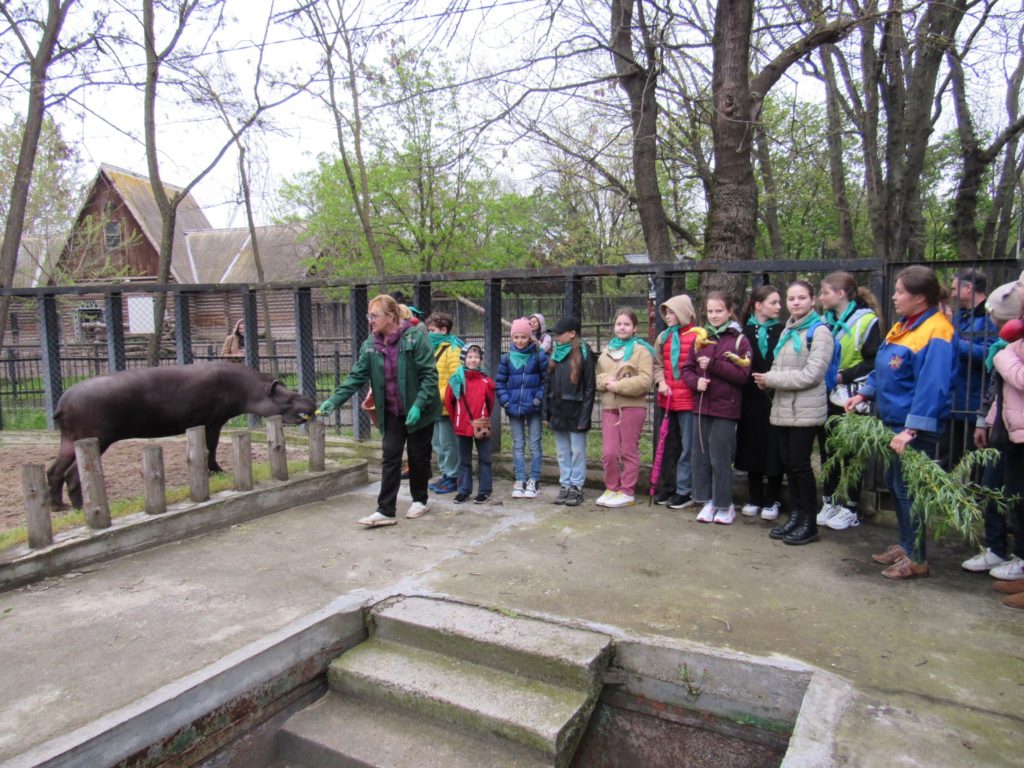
55	473
74	486
212	438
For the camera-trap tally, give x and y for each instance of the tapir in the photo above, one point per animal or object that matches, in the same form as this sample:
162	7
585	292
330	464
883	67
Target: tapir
159	402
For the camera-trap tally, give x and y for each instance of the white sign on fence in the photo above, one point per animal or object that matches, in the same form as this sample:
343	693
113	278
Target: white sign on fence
140	314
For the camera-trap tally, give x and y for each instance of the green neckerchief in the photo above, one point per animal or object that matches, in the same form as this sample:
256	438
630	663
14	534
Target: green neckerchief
561	351
990	359
518	358
794	333
716	332
437	339
762	332
627	345
836	324
674	332
457	382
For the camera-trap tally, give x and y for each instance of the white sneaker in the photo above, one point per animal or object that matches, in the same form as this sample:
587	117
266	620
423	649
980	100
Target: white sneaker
982	562
843	518
417	509
828	510
530	492
620	499
726	516
771	513
604	498
376	520
706	514
517	489
1011	570
750	510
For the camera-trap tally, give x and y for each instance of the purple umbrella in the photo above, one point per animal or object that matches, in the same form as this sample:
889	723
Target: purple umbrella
659	451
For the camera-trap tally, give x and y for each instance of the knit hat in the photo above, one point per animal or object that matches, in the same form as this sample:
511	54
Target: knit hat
566	324
472	345
521	325
1003	303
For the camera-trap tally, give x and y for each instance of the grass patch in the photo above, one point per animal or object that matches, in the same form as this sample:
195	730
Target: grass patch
130	506
19	419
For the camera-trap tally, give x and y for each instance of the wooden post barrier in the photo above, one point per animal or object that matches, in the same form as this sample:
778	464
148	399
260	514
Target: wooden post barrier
94	491
241	444
37	507
198	473
153	479
275	444
317	437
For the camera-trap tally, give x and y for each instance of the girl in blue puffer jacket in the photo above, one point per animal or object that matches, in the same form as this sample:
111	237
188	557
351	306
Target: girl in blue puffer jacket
520	386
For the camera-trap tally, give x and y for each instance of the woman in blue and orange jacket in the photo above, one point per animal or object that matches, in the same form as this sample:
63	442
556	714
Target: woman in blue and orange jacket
911	385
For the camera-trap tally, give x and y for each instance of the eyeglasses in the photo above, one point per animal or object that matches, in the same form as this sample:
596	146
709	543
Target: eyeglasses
375	316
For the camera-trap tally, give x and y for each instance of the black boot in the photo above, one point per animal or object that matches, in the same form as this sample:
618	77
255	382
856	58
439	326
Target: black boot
780	531
804	533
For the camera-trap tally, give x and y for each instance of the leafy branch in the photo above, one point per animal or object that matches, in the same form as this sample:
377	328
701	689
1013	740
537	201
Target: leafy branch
942	500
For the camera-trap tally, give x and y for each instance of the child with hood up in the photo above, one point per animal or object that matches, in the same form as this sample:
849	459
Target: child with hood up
539	330
675	399
470	395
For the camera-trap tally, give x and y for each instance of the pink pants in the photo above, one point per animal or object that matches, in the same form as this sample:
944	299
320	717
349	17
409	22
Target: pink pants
620	440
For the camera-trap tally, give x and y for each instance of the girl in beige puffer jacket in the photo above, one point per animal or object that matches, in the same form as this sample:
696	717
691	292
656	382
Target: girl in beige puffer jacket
799	406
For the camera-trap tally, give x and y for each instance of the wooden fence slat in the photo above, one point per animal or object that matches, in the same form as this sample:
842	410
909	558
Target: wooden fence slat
276	446
241	444
315	431
153	479
198	473
37	507
94	490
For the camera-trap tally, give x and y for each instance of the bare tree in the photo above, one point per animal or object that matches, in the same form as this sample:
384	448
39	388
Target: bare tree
41	41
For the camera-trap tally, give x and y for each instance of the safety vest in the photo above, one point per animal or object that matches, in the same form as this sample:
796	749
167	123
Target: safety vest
859	324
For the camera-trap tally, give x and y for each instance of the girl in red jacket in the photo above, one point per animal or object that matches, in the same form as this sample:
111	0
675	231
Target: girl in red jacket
470	395
717	368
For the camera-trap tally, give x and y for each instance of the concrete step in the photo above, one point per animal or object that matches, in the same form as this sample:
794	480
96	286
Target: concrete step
346	732
546	717
516	644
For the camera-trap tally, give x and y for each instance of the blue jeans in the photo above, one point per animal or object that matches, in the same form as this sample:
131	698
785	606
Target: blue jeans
912	533
572	457
483	453
445	447
996	528
519	426
684	467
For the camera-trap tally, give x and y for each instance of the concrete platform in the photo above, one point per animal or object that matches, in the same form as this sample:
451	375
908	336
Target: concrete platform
936	666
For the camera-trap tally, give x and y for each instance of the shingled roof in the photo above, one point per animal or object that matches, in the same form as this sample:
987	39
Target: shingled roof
226	255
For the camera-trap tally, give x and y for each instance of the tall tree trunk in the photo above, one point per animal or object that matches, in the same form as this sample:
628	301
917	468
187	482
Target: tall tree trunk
836	165
39	64
770	214
268	332
732	219
639	84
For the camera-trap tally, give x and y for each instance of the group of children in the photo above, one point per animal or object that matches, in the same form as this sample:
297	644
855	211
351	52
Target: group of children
750	395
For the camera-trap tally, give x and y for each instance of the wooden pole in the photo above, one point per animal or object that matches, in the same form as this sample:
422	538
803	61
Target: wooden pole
198	474
94	491
241	443
315	430
275	444
153	479
37	508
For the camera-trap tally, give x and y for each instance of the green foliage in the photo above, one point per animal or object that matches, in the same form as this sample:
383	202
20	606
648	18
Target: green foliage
943	500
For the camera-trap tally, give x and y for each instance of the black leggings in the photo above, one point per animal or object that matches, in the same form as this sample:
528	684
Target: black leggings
764	489
795	445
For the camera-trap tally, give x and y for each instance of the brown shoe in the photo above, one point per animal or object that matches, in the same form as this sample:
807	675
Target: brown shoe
1010	587
892	555
1015	601
905	568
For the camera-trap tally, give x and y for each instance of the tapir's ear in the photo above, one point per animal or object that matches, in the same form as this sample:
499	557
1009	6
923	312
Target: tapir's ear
274	385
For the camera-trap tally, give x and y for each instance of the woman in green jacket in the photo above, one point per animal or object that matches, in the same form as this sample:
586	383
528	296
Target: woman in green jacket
398	361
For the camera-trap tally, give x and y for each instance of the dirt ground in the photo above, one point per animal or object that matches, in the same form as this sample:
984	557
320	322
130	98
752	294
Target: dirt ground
122	468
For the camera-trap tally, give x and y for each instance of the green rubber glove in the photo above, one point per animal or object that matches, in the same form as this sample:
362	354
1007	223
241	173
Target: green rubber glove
326	408
413	416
